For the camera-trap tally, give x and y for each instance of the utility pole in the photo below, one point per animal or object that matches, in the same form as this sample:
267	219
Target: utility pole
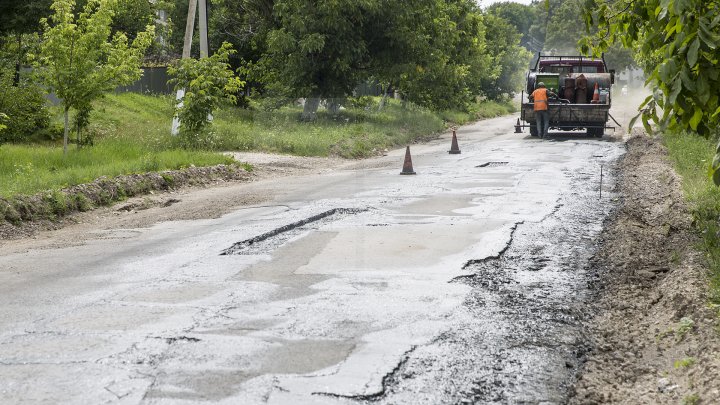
187	44
189	28
203	29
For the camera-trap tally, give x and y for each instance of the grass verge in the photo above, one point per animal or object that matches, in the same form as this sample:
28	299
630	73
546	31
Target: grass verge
28	169
692	155
355	132
130	135
104	191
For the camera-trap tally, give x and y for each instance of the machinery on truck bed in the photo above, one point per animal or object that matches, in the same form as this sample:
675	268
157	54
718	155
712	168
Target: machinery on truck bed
582	86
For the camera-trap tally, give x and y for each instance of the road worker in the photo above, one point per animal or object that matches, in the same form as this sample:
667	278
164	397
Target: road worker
539	97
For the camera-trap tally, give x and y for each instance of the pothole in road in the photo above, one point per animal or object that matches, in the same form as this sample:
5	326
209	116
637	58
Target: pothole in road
492	164
271	239
174	339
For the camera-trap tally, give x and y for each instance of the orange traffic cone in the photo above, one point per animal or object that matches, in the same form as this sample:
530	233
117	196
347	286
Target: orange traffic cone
596	94
454	148
517	127
407	165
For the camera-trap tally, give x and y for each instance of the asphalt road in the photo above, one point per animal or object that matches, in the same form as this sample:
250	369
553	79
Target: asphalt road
465	283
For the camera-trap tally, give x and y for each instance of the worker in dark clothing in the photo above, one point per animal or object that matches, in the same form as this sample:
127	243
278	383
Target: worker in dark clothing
539	97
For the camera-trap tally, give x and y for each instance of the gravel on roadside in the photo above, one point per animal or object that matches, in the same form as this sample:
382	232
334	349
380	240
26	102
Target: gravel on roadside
655	339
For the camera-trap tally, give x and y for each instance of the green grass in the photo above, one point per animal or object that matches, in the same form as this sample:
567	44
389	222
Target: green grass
350	134
684	363
692	156
30	169
353	133
131	135
692	399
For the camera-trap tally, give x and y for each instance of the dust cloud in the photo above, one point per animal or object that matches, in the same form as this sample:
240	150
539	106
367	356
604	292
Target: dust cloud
625	106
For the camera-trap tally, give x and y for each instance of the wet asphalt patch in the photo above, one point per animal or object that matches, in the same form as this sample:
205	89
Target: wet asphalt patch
520	334
269	240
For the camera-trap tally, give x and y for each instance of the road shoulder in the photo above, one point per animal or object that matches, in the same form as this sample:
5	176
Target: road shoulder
655	338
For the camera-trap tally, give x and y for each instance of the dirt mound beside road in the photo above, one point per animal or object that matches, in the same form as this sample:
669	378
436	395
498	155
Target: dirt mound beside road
655	338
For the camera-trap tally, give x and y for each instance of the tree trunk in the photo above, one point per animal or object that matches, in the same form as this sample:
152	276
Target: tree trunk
310	108
382	102
333	105
384	97
67	130
16	77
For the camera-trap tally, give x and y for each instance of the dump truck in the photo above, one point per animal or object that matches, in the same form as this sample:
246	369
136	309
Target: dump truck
582	88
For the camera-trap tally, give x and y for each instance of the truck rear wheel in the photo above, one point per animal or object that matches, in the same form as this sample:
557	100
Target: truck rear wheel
533	130
596	132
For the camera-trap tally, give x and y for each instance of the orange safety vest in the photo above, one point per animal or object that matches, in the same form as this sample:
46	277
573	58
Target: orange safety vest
540	99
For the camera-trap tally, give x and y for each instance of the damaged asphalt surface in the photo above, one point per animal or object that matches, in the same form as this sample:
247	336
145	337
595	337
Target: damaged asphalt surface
467	283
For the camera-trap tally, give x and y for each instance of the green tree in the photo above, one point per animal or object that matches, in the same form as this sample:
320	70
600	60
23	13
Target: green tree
78	60
453	60
565	26
509	58
25	107
677	42
243	23
397	42
314	50
129	16
522	17
18	20
435	52
22	16
132	16
206	82
562	26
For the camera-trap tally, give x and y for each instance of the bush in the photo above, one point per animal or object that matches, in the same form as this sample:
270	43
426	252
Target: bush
26	109
52	132
203	139
363	102
207	82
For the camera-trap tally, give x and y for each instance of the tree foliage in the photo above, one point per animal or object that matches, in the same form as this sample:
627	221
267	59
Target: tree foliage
448	74
22	17
79	61
435	52
19	21
206	83
677	42
523	17
25	107
509	59
243	23
565	26
3	118
554	26
315	49
132	16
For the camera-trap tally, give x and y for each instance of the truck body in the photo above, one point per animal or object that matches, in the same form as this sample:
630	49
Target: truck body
574	80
